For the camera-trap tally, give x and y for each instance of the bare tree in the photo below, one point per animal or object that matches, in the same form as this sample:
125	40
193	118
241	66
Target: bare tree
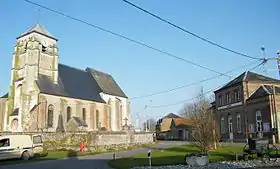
204	130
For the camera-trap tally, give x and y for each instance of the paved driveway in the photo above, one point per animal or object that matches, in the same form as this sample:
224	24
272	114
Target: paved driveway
90	162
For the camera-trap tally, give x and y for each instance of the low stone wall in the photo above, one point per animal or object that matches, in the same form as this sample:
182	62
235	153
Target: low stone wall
72	140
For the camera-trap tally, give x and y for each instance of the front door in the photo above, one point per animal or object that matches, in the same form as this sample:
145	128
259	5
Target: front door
230	128
180	134
259	124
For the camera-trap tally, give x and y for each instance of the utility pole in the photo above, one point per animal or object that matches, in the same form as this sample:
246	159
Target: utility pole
278	61
146	112
276	117
146	119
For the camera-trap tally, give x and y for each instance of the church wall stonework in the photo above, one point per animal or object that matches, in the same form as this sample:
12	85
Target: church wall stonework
117	123
72	140
2	111
60	105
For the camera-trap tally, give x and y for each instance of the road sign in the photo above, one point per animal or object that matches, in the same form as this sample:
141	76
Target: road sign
150	158
149	154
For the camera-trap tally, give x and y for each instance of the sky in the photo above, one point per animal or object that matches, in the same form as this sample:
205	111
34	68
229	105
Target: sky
243	26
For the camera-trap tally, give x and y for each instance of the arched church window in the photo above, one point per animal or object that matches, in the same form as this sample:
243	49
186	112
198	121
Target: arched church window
110	114
18	91
50	115
84	114
121	112
97	119
68	113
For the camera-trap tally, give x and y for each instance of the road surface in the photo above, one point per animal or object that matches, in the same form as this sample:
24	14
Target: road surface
90	162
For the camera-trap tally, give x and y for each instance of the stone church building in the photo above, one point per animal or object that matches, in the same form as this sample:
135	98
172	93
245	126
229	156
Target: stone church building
45	95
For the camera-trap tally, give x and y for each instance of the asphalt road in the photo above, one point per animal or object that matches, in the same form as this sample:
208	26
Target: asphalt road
90	162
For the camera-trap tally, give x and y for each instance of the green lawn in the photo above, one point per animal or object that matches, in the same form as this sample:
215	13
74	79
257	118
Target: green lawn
174	155
54	155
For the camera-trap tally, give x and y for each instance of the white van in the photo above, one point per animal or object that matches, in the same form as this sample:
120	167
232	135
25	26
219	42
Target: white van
20	146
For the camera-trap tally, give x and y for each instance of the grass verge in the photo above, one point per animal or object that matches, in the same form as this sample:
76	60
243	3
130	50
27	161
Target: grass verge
60	154
173	156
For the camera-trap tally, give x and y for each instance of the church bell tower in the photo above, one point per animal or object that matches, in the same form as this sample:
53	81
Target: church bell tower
35	54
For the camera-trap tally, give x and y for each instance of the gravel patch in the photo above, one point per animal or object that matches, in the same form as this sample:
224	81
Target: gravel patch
220	165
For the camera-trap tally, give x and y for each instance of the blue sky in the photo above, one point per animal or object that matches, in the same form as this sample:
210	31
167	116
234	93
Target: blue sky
244	26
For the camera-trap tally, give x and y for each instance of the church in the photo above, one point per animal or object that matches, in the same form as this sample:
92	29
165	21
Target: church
46	96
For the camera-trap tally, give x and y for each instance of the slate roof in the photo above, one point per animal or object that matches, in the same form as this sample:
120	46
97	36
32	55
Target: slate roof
38	29
5	95
81	84
15	112
106	83
79	121
73	83
250	77
264	90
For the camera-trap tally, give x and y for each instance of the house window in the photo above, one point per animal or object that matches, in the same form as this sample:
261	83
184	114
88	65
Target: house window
220	98
97	119
235	95
229	124
228	100
50	115
68	113
222	125
84	114
238	95
238	123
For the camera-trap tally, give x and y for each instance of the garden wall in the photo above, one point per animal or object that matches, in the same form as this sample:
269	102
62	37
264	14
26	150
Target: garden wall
72	140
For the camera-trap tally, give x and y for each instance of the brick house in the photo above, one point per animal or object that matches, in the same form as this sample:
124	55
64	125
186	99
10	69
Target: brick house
173	127
247	106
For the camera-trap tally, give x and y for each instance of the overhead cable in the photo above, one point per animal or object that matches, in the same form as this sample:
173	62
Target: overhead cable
190	99
194	83
124	37
189	32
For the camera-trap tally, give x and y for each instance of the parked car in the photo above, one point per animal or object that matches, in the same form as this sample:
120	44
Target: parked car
20	146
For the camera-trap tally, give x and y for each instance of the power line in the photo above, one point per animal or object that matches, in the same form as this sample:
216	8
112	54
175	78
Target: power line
184	101
191	33
124	37
191	84
190	99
